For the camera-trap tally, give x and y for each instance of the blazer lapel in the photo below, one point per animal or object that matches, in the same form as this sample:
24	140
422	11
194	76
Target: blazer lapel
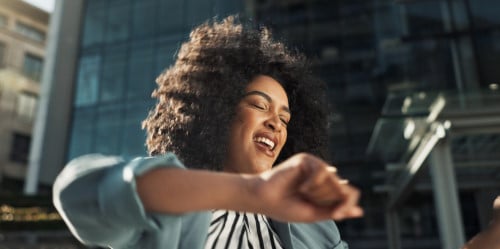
283	231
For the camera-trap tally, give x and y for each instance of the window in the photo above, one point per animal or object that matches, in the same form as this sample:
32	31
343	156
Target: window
95	23
33	67
197	11
132	132
82	131
30	32
141	78
2	53
143	23
485	13
88	80
26	106
113	79
168	20
108	129
117	29
20	148
3	21
424	17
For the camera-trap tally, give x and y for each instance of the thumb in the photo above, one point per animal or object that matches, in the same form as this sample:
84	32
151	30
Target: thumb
496	209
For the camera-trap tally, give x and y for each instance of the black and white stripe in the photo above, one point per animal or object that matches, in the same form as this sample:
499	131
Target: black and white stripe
229	229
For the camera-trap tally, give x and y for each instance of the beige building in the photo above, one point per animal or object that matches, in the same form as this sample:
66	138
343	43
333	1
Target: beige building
23	30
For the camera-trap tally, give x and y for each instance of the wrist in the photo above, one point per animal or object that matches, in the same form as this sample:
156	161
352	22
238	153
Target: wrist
250	194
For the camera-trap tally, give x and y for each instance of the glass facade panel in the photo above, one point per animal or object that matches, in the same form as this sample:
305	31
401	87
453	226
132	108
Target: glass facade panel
113	73
170	16
144	17
485	13
118	23
82	132
88	80
141	80
166	52
424	17
135	113
94	23
198	11
488	51
108	129
437	71
225	8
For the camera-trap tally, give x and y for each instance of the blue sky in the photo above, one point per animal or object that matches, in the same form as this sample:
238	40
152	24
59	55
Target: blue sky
47	5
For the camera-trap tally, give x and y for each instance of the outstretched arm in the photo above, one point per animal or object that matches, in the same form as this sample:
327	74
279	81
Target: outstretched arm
301	189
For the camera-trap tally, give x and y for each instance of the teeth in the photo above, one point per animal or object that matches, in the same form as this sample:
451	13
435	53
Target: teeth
266	141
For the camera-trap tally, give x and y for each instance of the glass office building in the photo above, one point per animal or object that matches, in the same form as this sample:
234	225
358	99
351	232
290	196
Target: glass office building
378	57
124	46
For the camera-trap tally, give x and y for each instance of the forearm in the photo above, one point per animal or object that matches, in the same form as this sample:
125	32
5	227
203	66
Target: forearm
274	193
176	191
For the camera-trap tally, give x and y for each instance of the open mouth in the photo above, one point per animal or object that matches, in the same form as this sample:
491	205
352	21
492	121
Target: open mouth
265	141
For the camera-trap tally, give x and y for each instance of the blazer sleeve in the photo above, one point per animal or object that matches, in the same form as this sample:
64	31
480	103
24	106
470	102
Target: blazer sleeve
97	198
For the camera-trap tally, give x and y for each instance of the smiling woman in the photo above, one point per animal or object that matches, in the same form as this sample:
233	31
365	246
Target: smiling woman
197	95
238	109
258	131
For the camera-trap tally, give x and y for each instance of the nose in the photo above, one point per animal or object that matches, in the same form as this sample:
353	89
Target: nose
274	123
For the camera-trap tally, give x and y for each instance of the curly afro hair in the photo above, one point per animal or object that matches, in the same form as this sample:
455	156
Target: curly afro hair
197	96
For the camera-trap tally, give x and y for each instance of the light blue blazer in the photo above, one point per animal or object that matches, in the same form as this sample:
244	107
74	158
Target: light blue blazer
96	196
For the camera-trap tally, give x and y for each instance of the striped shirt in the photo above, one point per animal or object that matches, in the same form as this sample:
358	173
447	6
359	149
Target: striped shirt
230	229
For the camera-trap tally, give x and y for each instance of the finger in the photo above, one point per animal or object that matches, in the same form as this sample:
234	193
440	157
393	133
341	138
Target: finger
331	169
327	194
349	205
343	181
318	177
496	209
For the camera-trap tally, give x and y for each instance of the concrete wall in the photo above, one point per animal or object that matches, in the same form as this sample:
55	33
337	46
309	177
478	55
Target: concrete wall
13	82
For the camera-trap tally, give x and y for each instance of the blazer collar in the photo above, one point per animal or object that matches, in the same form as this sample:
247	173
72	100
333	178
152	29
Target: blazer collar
283	231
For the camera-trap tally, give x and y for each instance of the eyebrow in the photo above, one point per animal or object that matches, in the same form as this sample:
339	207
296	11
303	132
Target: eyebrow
267	97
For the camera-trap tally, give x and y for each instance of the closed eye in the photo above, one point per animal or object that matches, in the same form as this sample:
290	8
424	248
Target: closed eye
284	121
261	107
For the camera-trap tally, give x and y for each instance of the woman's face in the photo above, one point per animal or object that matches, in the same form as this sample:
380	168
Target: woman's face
259	129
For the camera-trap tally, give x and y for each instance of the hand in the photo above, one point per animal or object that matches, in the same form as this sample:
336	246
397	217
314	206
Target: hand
318	189
496	212
303	188
490	237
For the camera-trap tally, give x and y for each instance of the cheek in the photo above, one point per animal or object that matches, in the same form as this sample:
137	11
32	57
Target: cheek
284	137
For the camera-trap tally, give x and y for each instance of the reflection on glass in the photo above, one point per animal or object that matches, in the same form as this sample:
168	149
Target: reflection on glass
485	12
170	16
424	17
197	12
117	28
82	138
144	14
140	71
94	24
135	113
108	129
488	50
88	80
166	52
113	73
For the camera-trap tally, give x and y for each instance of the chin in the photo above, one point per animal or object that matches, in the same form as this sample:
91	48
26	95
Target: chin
261	167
